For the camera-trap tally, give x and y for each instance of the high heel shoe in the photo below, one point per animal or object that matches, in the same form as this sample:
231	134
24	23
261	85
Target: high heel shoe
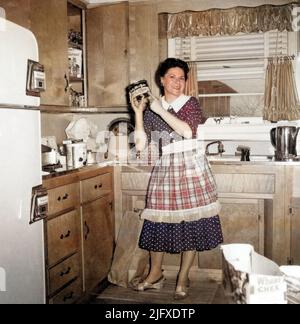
181	294
147	285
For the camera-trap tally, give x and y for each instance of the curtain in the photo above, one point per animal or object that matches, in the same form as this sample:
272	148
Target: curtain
231	21
191	88
281	97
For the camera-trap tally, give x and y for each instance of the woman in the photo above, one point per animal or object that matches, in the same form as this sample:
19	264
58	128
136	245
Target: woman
181	214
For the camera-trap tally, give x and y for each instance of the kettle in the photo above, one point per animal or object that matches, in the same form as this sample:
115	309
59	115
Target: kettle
284	140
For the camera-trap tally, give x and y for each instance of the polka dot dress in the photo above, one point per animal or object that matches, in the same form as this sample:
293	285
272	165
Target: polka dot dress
198	235
202	235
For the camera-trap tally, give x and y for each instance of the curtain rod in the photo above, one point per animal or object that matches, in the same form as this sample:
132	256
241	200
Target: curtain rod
292	57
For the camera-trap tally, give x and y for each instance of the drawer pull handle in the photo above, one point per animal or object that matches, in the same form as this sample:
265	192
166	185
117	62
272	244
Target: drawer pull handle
65	236
65	197
70	296
100	185
87	230
62	274
96	187
59	198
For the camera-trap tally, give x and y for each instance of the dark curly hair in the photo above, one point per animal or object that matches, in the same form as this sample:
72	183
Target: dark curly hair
165	66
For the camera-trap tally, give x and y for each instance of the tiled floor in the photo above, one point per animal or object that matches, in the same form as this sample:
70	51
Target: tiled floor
201	292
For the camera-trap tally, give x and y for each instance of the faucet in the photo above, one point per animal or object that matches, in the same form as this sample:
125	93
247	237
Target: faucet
220	148
218	120
244	151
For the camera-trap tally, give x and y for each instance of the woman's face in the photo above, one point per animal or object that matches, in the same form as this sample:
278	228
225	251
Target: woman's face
173	83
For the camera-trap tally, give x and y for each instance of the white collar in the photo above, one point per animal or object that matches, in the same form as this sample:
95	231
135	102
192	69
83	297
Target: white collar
177	104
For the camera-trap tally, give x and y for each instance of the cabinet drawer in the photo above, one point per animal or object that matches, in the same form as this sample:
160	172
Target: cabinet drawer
96	187
62	233
63	198
70	294
63	273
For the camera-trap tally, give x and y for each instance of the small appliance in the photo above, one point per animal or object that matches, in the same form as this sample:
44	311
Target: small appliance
284	140
76	155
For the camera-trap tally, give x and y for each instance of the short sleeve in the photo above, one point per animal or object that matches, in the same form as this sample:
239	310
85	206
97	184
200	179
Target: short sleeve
191	113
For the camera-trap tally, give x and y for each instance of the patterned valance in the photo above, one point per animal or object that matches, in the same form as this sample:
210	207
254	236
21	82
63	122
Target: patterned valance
231	21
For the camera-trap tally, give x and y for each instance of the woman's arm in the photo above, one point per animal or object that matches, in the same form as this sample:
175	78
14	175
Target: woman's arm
180	127
140	137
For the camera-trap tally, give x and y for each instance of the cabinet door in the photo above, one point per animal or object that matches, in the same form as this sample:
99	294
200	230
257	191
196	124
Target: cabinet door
242	222
98	238
49	23
107	41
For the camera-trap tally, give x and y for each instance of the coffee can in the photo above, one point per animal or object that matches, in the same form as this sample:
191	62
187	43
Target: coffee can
139	89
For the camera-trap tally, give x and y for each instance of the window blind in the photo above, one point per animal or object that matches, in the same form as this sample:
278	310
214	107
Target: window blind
230	57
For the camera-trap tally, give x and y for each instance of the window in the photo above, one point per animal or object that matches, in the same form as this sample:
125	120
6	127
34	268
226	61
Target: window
231	58
231	69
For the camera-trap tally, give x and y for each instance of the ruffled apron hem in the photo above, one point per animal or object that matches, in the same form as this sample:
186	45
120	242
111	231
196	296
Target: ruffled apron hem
183	215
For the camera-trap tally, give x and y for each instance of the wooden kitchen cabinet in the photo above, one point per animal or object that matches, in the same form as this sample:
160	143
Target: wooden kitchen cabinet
63	245
254	210
49	23
98	241
107	59
79	233
98	228
242	222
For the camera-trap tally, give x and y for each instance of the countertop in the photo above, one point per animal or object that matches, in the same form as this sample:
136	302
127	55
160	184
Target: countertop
81	172
65	177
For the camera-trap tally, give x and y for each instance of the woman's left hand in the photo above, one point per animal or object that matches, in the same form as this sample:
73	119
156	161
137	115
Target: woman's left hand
155	104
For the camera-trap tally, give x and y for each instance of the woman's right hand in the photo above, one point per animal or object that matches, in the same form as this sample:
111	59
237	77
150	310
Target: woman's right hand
138	105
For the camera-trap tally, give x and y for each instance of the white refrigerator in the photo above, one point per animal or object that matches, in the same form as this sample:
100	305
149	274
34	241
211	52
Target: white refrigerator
22	271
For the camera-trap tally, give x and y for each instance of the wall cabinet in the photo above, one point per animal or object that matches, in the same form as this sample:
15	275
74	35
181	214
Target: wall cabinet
49	23
107	55
79	234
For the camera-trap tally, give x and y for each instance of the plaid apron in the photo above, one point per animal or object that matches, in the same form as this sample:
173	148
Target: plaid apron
182	188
